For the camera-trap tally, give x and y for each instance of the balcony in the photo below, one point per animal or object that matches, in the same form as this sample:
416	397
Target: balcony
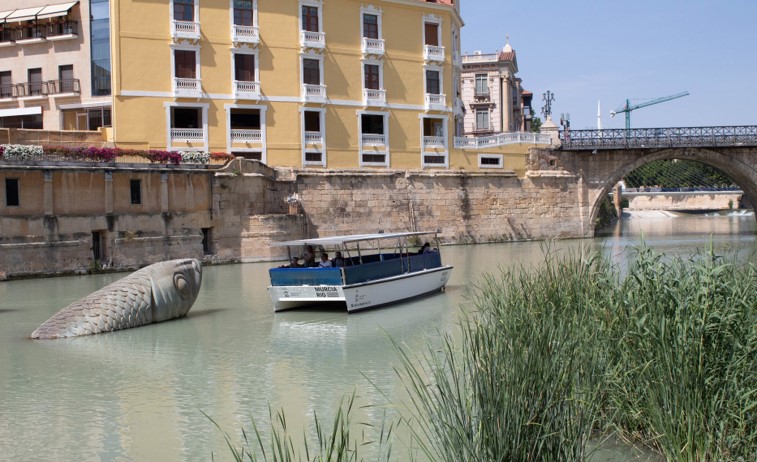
436	102
246	90
314	93
434	142
245	35
481	94
62	30
187	134
32	90
185	30
373	47
239	135
374	97
187	88
312	40
64	87
432	53
8	92
31	34
314	138
373	139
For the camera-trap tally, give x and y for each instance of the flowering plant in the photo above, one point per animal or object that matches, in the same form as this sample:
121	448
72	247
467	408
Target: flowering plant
22	152
194	157
221	156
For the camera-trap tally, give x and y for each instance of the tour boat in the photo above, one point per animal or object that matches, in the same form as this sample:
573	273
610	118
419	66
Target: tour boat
378	269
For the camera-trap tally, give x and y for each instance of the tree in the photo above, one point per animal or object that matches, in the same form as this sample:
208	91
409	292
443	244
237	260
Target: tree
535	124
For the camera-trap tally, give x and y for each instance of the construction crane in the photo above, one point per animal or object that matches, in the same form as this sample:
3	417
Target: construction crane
627	108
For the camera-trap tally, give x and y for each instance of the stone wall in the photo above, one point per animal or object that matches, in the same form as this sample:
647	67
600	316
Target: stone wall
68	138
720	200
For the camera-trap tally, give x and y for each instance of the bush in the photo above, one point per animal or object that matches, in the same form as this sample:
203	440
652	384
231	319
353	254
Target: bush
22	152
194	157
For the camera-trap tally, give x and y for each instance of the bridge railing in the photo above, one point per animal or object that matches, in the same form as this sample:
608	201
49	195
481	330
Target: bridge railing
678	137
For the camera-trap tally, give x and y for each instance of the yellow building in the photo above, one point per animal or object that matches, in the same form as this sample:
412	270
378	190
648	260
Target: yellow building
325	83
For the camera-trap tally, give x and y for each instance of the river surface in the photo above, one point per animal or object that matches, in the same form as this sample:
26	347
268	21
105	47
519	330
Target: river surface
140	394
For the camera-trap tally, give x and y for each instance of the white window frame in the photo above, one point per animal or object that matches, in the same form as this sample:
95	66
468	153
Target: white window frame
204	106
445	135
322	124
245	51
488	118
254	13
433	19
387	161
499	157
316	3
433	67
262	149
316	56
372	10
185	47
372	62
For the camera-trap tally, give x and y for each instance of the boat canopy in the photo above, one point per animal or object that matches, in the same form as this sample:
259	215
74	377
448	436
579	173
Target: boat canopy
341	240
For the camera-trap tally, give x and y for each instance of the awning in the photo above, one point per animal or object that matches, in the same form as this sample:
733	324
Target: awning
24	14
21	111
4	14
52	11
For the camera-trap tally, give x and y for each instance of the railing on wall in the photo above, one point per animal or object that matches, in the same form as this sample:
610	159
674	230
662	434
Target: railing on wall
741	135
501	140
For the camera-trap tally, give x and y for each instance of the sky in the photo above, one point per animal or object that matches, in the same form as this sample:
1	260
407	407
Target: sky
585	51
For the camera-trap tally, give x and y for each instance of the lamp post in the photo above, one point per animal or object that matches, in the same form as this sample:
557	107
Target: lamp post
548	98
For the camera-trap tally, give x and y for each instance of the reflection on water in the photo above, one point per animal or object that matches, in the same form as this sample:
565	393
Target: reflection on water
139	394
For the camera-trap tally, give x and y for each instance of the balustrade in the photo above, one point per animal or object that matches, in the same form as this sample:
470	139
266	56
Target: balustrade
371	46
239	135
187	134
245	34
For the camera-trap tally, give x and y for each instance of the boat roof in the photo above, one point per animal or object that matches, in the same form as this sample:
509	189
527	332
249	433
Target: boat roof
341	240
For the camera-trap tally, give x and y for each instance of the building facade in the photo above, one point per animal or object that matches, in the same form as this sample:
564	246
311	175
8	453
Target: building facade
494	99
314	83
55	64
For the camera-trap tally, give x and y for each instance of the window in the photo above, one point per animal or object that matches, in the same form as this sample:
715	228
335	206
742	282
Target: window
372	124
183	10
66	79
432	82
372	79
252	155
482	119
370	26
482	85
243	13
433	127
35	81
431	33
6	84
311	71
100	47
11	192
186	117
185	64
97	245
247	119
98	117
490	161
136	192
244	67
312	121
310	18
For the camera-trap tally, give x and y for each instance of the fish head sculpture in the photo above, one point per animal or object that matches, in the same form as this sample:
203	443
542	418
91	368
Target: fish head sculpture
175	285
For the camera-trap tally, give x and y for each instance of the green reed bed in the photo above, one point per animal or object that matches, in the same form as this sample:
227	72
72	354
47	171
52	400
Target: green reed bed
662	354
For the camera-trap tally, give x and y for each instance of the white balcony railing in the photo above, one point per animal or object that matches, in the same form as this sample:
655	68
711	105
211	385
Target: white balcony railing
371	46
246	90
501	140
312	39
313	138
314	93
245	34
434	142
187	88
433	53
373	139
187	134
437	102
374	97
185	30
239	135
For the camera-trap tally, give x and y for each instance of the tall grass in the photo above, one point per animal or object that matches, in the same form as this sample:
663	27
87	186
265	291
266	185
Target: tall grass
662	354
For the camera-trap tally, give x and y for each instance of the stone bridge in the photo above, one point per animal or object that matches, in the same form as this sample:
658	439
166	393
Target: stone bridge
598	169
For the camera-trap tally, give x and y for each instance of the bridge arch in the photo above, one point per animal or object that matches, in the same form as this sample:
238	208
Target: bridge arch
739	164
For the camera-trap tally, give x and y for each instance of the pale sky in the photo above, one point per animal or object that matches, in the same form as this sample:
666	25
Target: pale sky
612	50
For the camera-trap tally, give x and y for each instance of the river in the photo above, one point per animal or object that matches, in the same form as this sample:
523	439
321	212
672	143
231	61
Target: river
140	394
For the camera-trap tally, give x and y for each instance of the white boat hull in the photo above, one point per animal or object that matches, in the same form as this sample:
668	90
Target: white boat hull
364	295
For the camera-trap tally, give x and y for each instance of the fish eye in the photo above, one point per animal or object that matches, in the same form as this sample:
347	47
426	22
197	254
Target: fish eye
181	284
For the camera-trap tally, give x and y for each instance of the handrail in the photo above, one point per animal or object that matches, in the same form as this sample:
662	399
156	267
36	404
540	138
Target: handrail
672	137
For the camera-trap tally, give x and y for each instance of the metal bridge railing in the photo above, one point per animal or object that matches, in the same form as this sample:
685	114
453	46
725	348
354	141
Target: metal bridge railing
743	135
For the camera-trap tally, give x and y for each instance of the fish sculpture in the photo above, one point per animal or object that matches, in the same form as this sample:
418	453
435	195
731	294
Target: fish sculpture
155	293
